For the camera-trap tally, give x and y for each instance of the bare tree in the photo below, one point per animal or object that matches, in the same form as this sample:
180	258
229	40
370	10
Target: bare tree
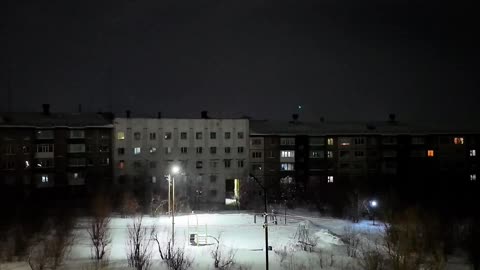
139	243
222	259
351	241
174	257
99	232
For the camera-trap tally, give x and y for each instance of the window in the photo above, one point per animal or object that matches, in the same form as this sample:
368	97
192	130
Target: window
152	150
344	153
271	154
137	164
198	135
256	141
199	150
329	154
417	153
344	165
44	134
153	164
359	141
473	153
105	161
330	179
228	135
287	141
389	153
287	167
154	179
213	164
136	150
256	154
25	149
240	135
137	136
240	163
317	141
153	136
44	148
287	154
473	177
168	150
359	153
330	141
418	140
183	150
104	148
76	148
44	163
121	151
389	140
213	178
168	136
458	140
213	135
9	149
316	154
227	150
213	150
256	167
199	164
227	162
77	134
44	178
240	149
121	164
343	141
430	153
8	164
183	135
76	162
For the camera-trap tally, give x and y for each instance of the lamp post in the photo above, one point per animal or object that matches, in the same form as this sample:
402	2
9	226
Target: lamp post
373	205
171	184
265	224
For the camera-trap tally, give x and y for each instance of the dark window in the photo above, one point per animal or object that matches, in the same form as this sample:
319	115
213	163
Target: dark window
227	135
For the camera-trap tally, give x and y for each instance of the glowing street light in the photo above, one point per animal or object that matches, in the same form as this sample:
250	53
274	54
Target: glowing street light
373	205
171	185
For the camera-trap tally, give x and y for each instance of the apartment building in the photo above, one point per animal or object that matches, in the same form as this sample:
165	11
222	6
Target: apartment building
55	150
320	158
212	155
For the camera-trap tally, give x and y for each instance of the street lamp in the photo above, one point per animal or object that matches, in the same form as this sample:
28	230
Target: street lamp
171	185
373	205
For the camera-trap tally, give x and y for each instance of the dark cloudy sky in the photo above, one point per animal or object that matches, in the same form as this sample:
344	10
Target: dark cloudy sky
341	59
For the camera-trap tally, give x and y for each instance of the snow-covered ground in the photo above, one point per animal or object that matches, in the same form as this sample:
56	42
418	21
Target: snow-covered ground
238	232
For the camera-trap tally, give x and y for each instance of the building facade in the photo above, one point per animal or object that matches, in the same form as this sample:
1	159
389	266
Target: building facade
41	151
212	155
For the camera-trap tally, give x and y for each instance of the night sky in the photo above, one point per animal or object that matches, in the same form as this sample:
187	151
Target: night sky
344	60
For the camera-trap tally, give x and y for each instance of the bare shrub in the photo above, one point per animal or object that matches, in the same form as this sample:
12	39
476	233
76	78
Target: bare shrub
139	243
305	239
372	259
325	261
50	247
174	257
99	232
222	259
351	241
282	253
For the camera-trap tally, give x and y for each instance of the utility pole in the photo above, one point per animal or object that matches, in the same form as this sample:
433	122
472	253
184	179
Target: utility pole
265	224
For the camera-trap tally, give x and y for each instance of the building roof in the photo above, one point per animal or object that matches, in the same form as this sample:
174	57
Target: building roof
37	119
267	127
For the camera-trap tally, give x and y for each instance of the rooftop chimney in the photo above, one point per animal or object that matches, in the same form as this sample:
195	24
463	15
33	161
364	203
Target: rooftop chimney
127	112
204	115
46	109
159	115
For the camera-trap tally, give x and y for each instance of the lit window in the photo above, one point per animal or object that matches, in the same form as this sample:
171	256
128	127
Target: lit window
330	179
473	177
136	150
44	178
154	179
183	150
430	153
316	154
168	135
287	154
75	175
137	136
342	141
287	166
473	153
458	140
330	141
329	154
183	135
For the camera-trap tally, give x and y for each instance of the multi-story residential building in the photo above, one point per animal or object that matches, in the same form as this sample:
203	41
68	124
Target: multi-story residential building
55	150
320	158
212	155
